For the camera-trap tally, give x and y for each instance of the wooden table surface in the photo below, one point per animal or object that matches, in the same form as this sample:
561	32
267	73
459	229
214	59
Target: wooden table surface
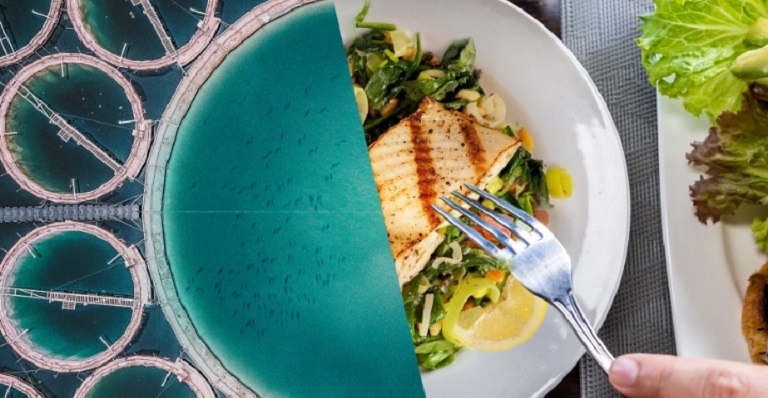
548	12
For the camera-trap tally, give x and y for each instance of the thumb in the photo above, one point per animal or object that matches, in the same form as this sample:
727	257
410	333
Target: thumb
648	375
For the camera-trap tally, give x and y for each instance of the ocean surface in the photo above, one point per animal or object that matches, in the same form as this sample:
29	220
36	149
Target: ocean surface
93	102
273	227
60	265
118	23
20	24
140	381
9	392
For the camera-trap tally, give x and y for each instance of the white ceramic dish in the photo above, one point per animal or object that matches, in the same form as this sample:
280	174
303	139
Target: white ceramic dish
549	93
708	266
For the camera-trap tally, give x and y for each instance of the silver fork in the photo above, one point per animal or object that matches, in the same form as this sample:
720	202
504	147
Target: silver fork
536	259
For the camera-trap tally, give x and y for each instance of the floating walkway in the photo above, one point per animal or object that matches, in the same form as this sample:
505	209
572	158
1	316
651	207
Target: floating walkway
51	21
142	131
158	26
20	385
183	371
70	300
70	213
206	30
5	42
165	289
16	338
67	131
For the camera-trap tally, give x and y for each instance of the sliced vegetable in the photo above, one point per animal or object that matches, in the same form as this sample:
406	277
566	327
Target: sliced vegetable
559	183
362	102
490	111
474	287
526	138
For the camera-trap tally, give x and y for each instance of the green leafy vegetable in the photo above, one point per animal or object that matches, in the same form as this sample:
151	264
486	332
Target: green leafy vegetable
392	84
435	353
379	88
735	155
460	56
525	184
361	23
689	47
760	232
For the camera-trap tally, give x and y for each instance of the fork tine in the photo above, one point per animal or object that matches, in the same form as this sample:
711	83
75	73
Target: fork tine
500	236
503	221
475	236
496	232
520	214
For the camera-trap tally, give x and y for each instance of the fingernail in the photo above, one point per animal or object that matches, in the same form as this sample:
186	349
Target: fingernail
623	372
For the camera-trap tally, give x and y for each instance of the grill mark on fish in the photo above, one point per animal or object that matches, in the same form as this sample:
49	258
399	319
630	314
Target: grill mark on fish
425	167
474	147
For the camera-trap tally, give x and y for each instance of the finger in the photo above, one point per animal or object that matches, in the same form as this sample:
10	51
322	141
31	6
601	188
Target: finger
648	375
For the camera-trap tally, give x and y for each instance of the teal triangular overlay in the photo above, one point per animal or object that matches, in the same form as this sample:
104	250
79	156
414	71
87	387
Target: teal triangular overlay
273	226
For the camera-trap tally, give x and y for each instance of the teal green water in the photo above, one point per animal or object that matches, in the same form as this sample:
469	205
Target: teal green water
13	393
118	23
94	103
21	25
140	382
61	265
273	226
178	19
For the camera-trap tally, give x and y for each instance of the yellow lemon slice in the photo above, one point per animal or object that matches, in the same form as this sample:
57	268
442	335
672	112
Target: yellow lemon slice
559	183
513	319
362	101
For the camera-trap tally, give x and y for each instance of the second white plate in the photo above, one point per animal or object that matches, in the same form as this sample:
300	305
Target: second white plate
708	265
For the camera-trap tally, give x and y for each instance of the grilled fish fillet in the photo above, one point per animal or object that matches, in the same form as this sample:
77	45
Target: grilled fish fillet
430	153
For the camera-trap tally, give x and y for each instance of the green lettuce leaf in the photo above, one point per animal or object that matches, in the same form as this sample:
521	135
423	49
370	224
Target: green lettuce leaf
760	232
735	157
688	47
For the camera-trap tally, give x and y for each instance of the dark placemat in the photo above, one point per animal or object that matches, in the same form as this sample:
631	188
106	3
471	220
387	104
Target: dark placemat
602	35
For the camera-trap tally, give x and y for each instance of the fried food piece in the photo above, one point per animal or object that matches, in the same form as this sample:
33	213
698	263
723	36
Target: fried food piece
754	315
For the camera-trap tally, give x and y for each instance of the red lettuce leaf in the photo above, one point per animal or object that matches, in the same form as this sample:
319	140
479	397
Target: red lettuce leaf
735	158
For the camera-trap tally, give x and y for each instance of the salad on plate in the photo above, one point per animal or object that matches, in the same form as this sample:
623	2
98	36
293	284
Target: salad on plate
431	127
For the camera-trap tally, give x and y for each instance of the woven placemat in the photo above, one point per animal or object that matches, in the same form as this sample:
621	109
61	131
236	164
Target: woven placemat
602	35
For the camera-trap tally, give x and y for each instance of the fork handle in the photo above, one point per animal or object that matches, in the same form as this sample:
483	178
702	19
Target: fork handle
570	309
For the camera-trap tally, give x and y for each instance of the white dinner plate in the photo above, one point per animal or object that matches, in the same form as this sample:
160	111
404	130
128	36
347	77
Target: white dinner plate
549	93
708	265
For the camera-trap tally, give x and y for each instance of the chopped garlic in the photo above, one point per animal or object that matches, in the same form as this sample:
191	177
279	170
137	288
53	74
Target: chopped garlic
455	251
490	110
429	300
456	256
435	329
467	94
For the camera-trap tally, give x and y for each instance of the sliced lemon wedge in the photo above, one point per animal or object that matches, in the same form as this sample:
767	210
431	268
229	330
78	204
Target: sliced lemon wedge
499	326
362	101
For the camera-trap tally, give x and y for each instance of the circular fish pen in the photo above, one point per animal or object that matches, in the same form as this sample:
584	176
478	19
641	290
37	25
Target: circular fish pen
144	34
55	130
10	384
66	312
24	28
175	379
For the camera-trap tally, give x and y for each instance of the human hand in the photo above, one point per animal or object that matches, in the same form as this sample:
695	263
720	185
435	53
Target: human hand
649	375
